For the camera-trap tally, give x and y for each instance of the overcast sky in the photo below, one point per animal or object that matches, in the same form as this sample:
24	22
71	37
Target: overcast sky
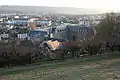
113	5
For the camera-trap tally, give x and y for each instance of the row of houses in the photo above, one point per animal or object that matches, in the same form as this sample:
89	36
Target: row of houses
6	36
25	22
64	31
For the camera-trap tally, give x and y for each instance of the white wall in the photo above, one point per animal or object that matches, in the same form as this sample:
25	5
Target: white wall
0	38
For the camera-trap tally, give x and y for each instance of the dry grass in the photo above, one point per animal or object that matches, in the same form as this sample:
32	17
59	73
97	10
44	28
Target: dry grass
91	68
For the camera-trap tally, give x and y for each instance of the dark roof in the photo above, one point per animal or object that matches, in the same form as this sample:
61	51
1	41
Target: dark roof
58	39
38	33
20	19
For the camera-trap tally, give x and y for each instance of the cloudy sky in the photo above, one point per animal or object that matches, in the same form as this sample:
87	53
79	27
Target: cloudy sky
113	5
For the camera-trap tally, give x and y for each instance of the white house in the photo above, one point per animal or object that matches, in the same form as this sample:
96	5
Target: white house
4	36
16	17
43	22
22	36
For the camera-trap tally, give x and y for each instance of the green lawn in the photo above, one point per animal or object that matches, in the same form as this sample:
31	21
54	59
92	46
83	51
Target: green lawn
105	67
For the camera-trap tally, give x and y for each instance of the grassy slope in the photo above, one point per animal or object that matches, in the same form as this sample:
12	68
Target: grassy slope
105	67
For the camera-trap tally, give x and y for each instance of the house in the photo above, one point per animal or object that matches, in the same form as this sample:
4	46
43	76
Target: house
22	36
38	34
64	31
53	45
21	22
42	23
67	31
81	32
4	36
18	22
59	31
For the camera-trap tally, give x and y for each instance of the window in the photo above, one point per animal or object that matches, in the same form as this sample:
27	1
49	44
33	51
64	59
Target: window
79	30
74	29
82	30
87	30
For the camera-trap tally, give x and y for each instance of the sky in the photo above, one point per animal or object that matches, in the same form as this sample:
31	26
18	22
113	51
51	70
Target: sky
103	5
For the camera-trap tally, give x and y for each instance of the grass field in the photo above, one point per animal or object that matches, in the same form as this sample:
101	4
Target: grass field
105	67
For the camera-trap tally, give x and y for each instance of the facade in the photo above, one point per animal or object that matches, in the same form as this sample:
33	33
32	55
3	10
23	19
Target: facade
18	22
67	31
59	32
22	36
38	34
64	31
4	36
92	20
80	32
42	22
21	22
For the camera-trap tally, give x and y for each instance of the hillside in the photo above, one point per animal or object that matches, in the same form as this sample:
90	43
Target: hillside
105	67
44	9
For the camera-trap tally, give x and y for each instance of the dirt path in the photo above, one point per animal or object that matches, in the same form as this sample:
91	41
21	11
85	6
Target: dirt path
3	78
109	62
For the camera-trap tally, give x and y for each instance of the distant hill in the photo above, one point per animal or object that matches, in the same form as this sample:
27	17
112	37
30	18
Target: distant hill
44	9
